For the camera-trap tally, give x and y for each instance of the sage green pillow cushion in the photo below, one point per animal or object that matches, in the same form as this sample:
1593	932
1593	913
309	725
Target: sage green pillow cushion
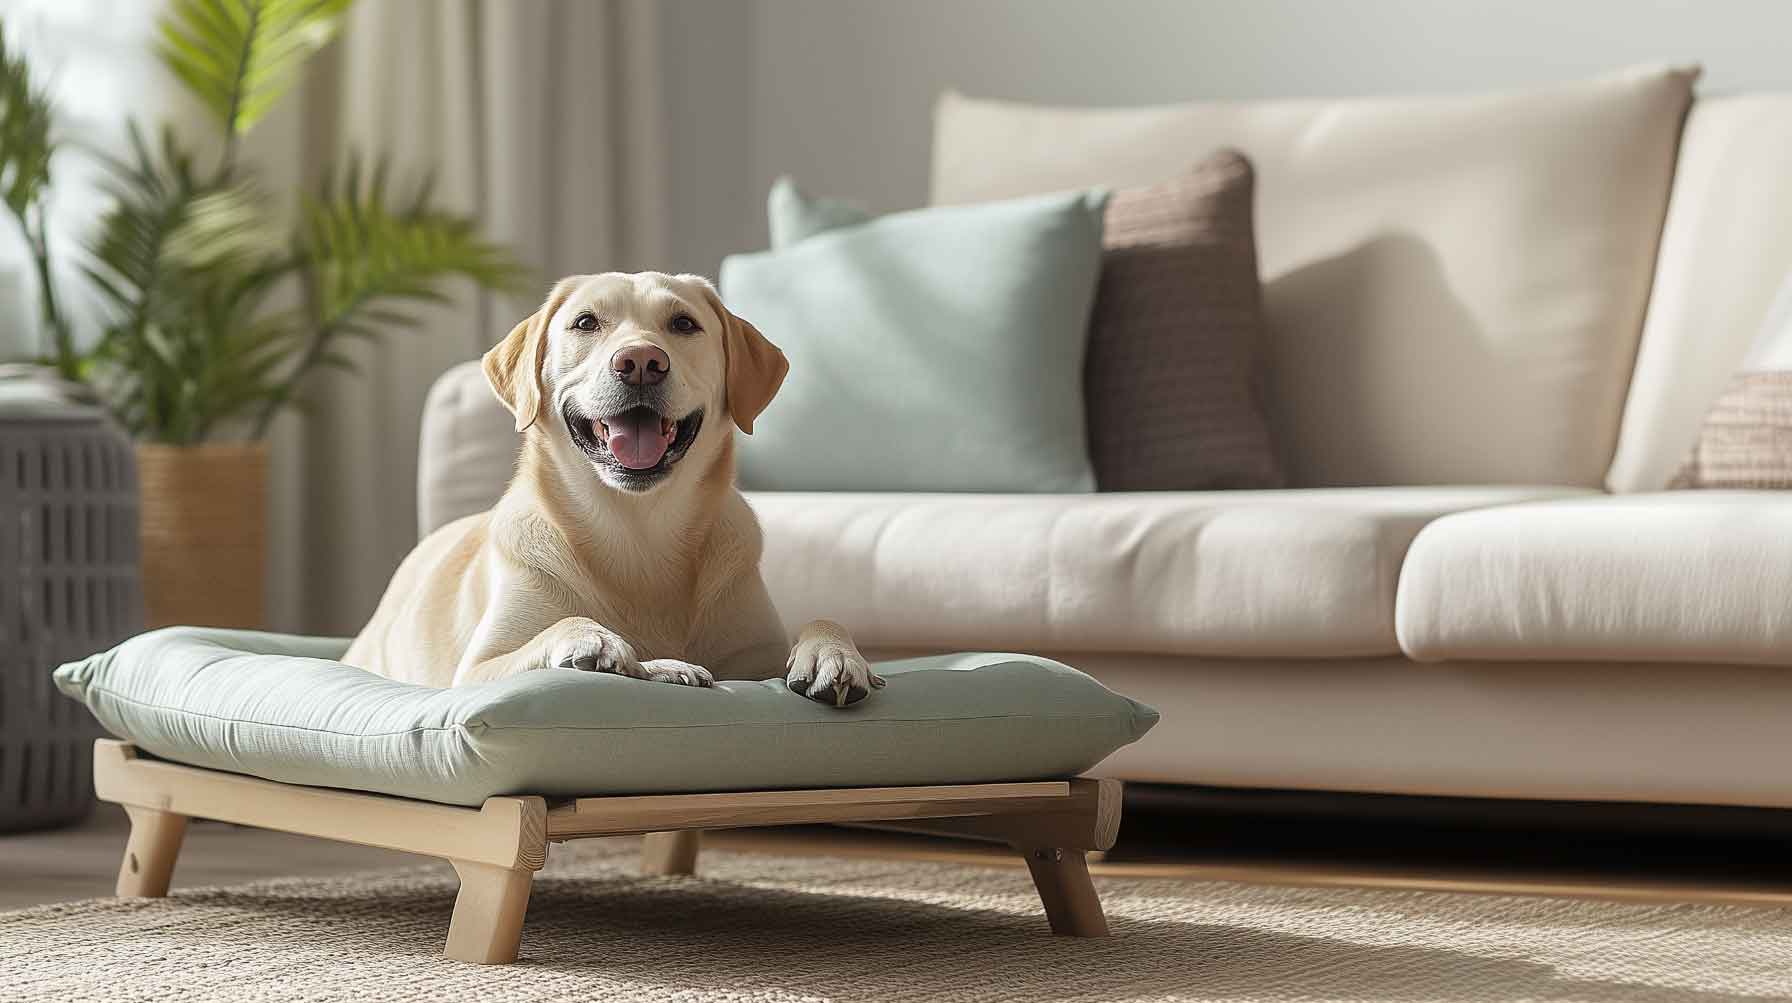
792	215
933	350
280	707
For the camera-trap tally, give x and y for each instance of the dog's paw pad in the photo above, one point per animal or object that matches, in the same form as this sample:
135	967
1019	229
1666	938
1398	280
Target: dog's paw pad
833	697
831	674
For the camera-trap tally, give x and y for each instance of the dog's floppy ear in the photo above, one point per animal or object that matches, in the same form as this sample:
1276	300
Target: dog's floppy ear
756	367
508	368
513	366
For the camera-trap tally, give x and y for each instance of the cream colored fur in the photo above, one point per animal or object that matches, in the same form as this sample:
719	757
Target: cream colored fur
573	568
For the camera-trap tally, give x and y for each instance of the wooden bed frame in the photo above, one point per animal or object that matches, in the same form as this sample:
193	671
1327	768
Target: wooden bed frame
497	848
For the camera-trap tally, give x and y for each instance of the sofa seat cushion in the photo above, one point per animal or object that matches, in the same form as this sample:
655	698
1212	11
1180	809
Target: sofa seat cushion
1687	576
280	707
1253	573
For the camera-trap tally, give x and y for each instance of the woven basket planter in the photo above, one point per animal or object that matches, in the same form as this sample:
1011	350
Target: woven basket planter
205	516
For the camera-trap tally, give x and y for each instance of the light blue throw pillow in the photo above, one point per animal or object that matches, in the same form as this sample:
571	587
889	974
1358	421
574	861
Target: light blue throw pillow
793	216
933	350
280	707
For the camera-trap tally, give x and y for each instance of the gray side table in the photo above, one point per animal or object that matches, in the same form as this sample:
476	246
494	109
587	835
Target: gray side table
69	587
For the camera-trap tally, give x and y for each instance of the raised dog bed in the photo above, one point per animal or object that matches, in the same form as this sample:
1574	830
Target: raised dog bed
497	847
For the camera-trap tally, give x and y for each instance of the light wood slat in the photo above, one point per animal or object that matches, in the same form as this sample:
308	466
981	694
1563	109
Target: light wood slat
504	832
150	853
655	813
1089	819
1071	905
487	924
667	853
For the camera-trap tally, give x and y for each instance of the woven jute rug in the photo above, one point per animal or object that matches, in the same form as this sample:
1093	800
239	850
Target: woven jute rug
773	928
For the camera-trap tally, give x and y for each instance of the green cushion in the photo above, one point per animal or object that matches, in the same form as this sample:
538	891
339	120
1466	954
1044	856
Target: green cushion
793	216
279	707
933	350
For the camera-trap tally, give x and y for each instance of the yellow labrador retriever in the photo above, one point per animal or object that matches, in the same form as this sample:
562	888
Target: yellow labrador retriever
621	545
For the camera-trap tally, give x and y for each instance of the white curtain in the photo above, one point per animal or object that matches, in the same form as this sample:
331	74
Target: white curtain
539	118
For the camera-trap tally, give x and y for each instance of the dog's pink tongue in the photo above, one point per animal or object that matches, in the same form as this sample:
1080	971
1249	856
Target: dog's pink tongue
635	439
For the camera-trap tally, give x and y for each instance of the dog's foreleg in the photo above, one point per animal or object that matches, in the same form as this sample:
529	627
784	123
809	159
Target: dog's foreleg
825	666
501	648
574	642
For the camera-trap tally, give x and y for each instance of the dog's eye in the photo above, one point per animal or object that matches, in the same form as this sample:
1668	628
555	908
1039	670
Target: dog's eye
683	324
585	322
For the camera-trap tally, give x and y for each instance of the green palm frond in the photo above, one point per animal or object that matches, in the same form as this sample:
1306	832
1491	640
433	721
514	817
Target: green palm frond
225	226
359	248
152	194
27	145
242	359
165	223
185	268
362	255
25	141
239	56
206	356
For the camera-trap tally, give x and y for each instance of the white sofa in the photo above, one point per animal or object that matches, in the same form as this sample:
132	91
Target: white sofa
1482	589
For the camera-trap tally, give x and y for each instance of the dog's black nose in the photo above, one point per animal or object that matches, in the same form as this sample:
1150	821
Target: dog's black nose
640	365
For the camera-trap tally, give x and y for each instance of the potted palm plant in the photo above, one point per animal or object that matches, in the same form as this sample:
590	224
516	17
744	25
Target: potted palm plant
218	314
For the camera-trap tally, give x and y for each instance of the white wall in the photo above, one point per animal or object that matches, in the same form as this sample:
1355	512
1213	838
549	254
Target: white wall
839	92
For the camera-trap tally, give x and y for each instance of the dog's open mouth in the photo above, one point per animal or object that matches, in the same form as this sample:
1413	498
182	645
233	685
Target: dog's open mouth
639	443
639	437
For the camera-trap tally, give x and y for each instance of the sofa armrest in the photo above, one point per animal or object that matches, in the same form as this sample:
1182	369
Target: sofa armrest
467	450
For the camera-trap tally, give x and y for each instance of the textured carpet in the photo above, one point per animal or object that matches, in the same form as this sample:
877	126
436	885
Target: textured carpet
774	928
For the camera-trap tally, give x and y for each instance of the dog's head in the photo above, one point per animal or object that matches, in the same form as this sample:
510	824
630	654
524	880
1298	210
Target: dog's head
638	372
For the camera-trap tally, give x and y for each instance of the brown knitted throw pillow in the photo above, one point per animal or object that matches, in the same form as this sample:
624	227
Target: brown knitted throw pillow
1747	438
1172	380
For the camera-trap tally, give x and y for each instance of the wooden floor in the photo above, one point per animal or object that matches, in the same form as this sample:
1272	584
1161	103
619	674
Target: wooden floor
1704	855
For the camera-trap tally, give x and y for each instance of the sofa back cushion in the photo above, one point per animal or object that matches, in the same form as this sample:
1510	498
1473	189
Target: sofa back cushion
1454	285
1745	440
1725	251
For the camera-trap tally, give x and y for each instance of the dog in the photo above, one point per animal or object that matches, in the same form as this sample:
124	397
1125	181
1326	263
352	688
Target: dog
621	544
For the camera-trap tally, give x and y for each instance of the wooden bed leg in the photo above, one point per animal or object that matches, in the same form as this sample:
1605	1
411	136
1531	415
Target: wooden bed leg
488	913
674	852
1062	877
149	855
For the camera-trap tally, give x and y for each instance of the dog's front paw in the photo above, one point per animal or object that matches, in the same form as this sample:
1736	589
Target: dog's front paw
671	670
831	673
591	647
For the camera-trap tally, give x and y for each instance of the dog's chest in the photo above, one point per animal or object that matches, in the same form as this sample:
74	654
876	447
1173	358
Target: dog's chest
653	636
657	623
651	595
